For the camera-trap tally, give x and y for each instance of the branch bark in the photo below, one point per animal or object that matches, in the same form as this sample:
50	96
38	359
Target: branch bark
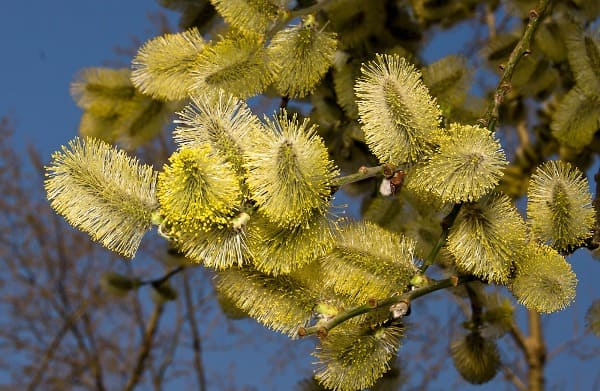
145	348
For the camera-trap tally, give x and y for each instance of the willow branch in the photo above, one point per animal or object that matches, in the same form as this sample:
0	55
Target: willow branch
536	357
196	341
318	6
144	351
514	379
53	346
323	328
522	49
363	173
446	225
161	280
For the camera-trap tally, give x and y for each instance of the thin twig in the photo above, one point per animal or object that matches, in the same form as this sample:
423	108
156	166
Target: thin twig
512	377
407	297
144	352
522	49
53	346
196	341
363	173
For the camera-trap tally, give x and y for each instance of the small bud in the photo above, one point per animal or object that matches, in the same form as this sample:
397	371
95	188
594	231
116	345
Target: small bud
326	310
301	332
385	188
396	181
399	310
372	302
533	14
322	333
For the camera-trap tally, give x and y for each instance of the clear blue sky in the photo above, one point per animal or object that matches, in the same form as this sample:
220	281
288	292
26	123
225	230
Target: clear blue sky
45	43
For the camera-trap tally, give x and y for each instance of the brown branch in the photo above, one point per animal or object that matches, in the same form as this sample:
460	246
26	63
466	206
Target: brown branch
514	379
363	173
406	298
196	341
536	352
53	346
145	348
522	49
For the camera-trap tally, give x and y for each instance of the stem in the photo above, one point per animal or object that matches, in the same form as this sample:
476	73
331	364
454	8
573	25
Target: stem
446	224
522	49
159	281
536	352
319	5
144	351
406	297
196	340
363	173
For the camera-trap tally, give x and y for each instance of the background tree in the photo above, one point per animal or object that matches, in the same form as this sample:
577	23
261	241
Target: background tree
445	214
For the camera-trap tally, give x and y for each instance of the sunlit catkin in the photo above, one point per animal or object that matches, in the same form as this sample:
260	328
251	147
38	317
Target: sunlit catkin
301	55
162	65
559	205
353	357
544	281
289	172
396	110
219	246
486	236
280	303
218	119
104	192
197	190
467	165
368	262
476	358
237	64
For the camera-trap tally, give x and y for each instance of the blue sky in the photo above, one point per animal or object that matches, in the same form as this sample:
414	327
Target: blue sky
45	43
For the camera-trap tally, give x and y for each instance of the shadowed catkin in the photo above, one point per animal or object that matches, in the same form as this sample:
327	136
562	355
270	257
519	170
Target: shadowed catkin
279	250
280	303
485	237
467	164
237	64
252	15
104	192
584	58
102	91
544	281
448	79
476	358
198	190
162	66
397	113
218	119
301	55
576	119
559	205
368	262
289	171
353	357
